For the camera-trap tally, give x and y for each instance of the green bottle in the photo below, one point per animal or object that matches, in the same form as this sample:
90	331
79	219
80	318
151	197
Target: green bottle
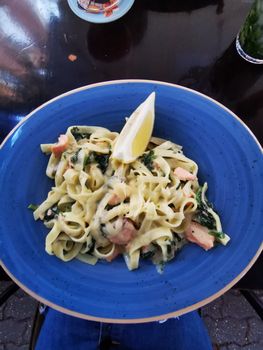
249	42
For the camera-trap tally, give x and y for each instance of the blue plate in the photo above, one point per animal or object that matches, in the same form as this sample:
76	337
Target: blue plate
124	7
229	158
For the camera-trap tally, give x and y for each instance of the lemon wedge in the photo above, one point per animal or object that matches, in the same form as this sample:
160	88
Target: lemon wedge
136	133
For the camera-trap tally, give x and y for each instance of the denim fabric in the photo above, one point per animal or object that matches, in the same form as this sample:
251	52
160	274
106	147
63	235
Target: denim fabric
64	332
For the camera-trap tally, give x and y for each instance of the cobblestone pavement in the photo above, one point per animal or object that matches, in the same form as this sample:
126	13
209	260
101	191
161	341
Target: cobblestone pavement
16	318
233	324
231	321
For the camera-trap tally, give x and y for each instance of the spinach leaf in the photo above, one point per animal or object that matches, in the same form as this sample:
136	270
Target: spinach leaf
149	251
32	206
147	159
217	234
198	196
101	159
78	135
203	216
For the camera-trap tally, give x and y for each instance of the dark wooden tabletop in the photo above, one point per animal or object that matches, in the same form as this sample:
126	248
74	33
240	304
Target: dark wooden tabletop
45	50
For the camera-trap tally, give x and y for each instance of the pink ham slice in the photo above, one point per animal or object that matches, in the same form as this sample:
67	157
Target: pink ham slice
114	200
117	251
61	146
183	174
198	234
126	234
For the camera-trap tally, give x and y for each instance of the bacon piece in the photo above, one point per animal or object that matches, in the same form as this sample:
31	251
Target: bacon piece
61	146
198	234
183	174
126	234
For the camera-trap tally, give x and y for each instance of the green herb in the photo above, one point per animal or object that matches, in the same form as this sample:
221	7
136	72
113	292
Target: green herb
198	196
217	234
203	216
101	159
147	159
78	135
32	206
75	157
149	251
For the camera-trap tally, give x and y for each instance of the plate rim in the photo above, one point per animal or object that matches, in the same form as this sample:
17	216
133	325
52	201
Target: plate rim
177	313
86	16
153	318
126	81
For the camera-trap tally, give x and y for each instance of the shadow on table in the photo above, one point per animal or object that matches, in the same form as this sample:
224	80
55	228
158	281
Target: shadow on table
108	42
111	41
233	81
182	6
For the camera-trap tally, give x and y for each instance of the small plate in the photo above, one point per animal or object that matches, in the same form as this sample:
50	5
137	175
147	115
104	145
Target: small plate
123	8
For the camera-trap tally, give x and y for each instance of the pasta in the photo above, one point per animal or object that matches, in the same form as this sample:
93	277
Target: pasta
100	208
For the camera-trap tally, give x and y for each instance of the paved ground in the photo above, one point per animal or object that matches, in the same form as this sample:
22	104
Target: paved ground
16	318
232	323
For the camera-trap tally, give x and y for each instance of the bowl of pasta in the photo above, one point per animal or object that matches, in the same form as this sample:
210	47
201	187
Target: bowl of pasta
130	201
